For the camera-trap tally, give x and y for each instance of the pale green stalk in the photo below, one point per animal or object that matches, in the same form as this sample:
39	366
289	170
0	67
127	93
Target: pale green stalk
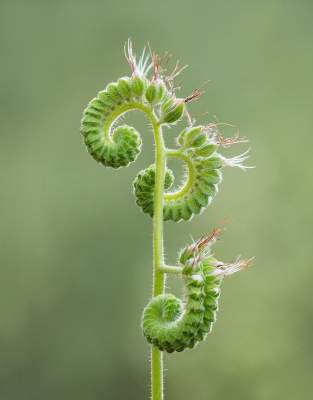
158	255
158	252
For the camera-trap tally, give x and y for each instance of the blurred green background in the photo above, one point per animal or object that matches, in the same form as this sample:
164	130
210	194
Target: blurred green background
75	249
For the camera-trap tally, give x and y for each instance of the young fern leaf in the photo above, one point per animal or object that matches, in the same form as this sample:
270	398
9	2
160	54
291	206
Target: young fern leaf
204	163
168	323
174	325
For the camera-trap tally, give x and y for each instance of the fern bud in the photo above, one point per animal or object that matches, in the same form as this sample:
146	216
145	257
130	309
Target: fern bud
155	92
124	87
172	110
106	100
206	150
195	137
138	85
113	93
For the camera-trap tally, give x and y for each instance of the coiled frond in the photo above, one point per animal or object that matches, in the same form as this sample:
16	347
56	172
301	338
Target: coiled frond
120	146
173	324
199	152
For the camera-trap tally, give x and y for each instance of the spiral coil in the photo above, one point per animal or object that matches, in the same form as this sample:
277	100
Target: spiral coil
204	164
175	325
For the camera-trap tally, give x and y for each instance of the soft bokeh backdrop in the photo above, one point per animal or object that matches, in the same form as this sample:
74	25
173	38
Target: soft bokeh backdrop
76	251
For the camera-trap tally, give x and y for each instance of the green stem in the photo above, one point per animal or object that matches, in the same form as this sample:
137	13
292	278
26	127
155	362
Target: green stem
169	269
158	254
122	109
158	251
191	175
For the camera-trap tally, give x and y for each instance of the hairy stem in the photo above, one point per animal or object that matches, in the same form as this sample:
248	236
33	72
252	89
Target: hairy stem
158	251
191	174
122	109
169	269
158	254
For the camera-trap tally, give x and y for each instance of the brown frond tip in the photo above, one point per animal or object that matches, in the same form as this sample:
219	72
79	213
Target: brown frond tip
169	79
159	62
214	133
229	141
194	96
206	240
157	65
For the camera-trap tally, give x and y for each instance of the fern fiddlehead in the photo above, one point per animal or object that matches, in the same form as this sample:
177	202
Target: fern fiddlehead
168	323
199	152
174	325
